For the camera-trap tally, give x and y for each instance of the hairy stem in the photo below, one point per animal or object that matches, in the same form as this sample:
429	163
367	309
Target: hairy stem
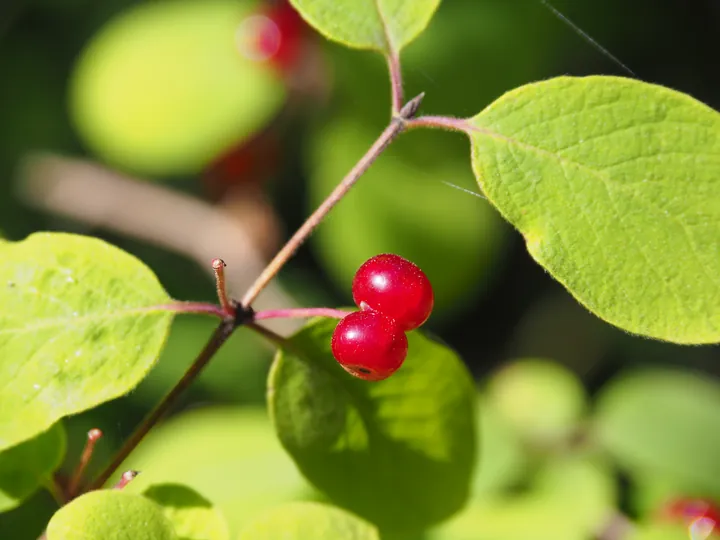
220	336
396	126
218	266
396	84
441	122
298	313
198	308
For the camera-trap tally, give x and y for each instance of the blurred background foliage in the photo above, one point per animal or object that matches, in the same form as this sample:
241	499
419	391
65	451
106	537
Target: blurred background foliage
193	98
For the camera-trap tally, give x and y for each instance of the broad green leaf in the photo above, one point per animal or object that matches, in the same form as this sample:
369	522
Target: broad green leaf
399	452
30	465
192	515
166	87
454	237
664	425
230	455
614	185
542	400
383	25
309	520
77	328
110	515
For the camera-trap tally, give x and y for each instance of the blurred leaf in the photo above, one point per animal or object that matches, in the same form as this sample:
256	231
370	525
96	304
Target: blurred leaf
502	459
29	465
399	452
237	373
78	328
594	172
383	25
402	206
231	455
193	516
569	500
666	425
661	532
309	521
110	515
166	86
540	399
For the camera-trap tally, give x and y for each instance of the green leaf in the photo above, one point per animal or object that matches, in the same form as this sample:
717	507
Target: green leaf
542	400
454	237
29	465
193	516
664	425
614	185
110	515
308	520
164	88
662	532
399	452
502	459
77	328
229	454
382	25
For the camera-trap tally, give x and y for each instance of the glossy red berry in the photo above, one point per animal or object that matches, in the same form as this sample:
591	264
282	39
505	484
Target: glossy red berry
396	288
369	345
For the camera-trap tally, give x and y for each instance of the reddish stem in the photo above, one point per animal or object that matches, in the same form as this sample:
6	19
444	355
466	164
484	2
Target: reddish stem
396	84
396	126
441	122
126	478
298	313
93	436
218	266
202	308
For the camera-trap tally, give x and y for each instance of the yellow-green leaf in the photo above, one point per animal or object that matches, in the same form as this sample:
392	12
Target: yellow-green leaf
79	325
615	185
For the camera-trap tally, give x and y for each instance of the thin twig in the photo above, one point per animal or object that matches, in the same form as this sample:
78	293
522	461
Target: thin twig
220	336
218	266
196	308
396	84
93	436
126	478
299	313
396	126
441	122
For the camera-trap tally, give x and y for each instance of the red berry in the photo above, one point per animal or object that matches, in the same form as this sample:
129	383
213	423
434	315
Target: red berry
369	345
691	510
396	288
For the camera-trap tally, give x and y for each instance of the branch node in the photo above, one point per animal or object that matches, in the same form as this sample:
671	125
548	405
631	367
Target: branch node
411	108
243	314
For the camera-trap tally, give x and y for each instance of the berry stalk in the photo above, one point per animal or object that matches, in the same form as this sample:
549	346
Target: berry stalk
396	126
299	313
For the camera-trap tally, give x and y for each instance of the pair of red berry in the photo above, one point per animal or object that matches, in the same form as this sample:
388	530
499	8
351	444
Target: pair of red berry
394	297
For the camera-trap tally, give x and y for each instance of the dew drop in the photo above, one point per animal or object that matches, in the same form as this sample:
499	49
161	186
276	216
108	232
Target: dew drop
78	353
36	386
